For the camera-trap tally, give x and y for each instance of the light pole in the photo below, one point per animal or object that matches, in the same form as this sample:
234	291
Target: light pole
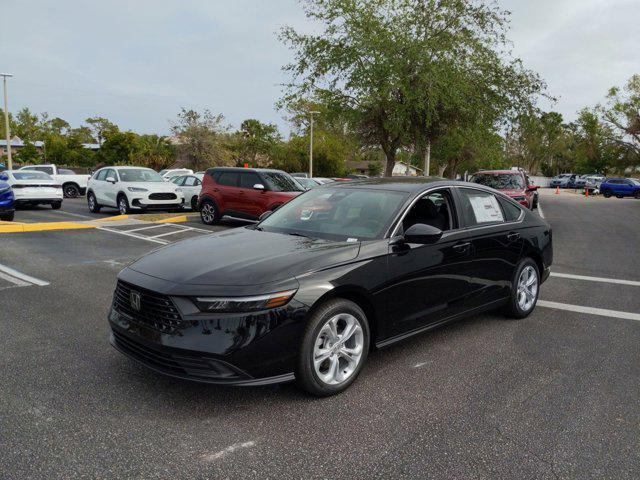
311	113
6	121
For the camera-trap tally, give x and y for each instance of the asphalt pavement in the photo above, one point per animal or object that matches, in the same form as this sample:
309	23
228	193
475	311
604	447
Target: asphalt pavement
555	395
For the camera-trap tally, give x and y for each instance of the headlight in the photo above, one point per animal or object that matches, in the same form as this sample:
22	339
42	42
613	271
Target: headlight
137	189
243	304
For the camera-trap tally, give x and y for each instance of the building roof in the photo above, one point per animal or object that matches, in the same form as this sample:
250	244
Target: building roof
17	142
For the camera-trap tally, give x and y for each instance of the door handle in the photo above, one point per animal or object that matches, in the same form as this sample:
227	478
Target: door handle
461	247
513	236
216	189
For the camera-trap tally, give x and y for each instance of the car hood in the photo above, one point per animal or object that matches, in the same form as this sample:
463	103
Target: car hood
242	257
514	193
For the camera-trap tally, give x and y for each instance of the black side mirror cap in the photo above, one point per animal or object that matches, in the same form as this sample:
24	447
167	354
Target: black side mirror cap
422	233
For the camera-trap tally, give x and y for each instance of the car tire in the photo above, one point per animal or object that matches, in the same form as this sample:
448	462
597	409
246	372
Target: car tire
525	289
209	213
341	360
619	196
92	203
56	205
7	217
194	203
606	193
123	205
70	190
637	194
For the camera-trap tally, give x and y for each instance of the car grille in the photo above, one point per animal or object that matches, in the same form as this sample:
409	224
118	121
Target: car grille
185	366
157	311
162	196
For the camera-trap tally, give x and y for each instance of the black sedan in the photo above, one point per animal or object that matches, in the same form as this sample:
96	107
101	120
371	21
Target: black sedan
309	291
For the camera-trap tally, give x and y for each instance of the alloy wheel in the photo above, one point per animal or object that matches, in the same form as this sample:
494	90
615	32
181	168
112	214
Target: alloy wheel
338	349
71	191
527	288
208	213
92	202
122	206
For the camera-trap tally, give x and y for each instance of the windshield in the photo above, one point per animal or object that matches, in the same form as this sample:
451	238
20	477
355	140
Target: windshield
281	182
342	214
162	172
139	175
31	175
636	181
500	181
307	182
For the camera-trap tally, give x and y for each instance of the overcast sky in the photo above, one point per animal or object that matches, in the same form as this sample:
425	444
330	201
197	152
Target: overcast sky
137	62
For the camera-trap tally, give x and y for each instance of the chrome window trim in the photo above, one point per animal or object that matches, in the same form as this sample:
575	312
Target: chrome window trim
398	221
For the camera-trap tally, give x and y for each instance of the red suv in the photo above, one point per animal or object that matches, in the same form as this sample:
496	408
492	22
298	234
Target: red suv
244	193
513	183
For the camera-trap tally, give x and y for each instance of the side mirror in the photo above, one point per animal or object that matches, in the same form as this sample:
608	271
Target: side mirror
258	186
4	177
422	233
111	180
265	215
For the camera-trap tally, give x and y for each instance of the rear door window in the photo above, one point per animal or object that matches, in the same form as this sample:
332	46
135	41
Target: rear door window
102	175
228	179
511	211
479	208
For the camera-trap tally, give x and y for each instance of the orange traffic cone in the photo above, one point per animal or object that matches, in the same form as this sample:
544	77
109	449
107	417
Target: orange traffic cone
586	192
557	190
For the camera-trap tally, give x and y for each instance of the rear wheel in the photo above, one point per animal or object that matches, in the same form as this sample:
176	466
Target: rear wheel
123	205
524	290
56	205
606	193
334	348
209	212
637	194
194	203
619	196
70	190
7	217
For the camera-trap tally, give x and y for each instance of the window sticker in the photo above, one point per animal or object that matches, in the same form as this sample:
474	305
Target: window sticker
486	208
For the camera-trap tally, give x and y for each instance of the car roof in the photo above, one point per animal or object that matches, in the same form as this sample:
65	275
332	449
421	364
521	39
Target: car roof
242	169
500	172
405	184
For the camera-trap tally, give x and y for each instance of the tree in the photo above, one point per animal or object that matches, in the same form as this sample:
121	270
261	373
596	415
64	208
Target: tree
100	128
154	152
621	114
255	139
27	125
403	71
200	139
119	148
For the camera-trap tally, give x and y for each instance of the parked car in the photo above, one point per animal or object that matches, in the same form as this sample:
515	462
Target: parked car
620	187
300	175
244	193
535	192
132	188
191	186
168	174
323	180
73	184
308	183
356	176
31	187
564	180
7	206
305	294
513	183
593	182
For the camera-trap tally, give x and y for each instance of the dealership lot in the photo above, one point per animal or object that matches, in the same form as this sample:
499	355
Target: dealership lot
553	396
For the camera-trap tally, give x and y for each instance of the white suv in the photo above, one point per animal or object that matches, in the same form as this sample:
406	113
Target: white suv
128	188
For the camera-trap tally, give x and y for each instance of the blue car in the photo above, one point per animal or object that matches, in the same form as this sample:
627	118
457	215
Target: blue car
6	199
620	187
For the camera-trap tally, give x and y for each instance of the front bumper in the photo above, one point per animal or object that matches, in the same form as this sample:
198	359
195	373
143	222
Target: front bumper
255	348
146	204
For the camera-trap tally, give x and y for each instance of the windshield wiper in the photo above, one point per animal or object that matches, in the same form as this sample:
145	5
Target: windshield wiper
298	234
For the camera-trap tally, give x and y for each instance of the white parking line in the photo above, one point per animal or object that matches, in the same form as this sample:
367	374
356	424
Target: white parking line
62	212
20	278
596	279
590	310
133	235
148	228
170	233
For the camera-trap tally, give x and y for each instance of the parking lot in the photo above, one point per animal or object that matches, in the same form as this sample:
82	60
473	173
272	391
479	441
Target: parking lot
555	395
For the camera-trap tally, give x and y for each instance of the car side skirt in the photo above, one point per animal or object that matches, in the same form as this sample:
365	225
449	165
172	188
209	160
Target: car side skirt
397	338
